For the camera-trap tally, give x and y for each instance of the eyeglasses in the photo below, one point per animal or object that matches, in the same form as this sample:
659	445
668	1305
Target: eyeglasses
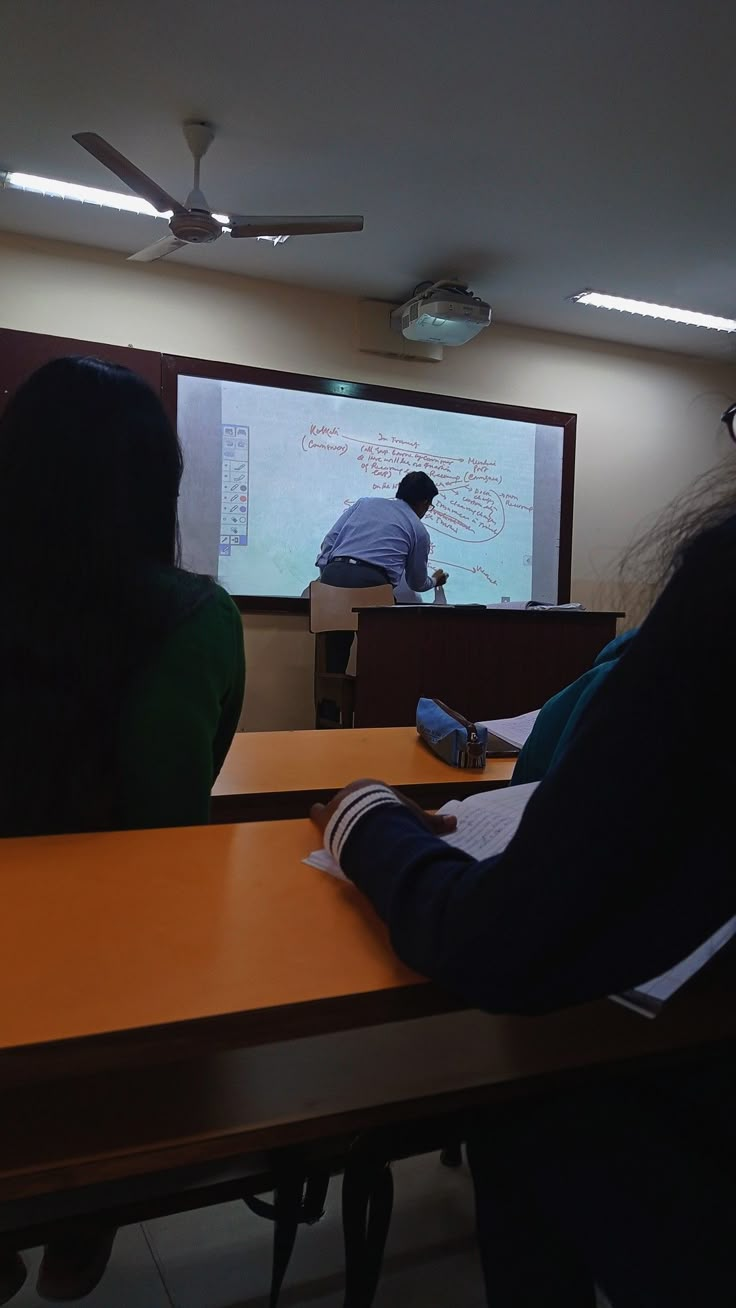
729	417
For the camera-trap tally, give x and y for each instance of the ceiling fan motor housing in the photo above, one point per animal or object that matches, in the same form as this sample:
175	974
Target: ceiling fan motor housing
196	226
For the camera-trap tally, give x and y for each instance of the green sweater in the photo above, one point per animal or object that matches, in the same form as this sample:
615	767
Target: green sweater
179	718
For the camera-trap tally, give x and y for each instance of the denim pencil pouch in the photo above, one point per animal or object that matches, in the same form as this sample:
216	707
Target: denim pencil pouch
450	736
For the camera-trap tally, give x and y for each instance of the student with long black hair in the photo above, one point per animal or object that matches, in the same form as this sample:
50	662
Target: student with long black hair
121	675
620	868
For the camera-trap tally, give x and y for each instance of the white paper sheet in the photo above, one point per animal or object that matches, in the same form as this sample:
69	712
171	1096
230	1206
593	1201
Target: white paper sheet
648	998
325	863
513	731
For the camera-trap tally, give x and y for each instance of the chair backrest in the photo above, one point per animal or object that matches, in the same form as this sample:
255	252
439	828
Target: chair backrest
331	607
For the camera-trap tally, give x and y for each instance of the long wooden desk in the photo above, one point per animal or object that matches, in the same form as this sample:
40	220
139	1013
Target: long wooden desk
185	939
272	774
123	1124
173	998
488	663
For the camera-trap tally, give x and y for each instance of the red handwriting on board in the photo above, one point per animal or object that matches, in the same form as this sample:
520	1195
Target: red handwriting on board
468	513
512	502
330	447
481	572
487	478
477	570
471	506
398	440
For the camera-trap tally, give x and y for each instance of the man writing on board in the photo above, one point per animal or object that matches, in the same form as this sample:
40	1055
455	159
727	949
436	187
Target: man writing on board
377	541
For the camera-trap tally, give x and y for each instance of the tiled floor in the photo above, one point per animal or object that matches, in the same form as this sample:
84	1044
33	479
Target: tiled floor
220	1257
132	1279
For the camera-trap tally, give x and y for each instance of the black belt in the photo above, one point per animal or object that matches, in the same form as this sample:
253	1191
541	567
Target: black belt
363	563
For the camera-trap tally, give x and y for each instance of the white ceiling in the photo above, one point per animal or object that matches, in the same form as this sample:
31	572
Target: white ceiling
531	147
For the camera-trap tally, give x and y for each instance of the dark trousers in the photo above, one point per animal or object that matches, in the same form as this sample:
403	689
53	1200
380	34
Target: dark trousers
630	1186
349	576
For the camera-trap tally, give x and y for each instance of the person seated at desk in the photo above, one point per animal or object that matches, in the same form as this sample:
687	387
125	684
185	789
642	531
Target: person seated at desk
376	541
560	716
121	675
621	867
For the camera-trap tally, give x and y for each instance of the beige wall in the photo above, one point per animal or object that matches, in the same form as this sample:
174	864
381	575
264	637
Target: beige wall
647	421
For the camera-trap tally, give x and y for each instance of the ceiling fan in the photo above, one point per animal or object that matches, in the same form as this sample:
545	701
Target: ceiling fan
194	223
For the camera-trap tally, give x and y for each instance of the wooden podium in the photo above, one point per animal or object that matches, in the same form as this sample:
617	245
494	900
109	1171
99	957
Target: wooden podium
487	663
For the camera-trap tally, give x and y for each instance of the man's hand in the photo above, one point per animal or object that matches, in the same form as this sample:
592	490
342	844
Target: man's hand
439	577
436	823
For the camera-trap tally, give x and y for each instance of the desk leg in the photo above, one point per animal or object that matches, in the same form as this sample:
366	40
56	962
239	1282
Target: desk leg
367	1204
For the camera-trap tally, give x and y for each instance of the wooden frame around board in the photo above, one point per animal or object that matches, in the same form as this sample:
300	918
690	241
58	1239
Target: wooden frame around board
22	352
174	366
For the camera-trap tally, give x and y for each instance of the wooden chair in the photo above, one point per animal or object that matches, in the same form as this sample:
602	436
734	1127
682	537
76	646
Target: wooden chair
331	609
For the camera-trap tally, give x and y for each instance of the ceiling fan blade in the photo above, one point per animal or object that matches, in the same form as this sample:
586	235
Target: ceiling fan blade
159	250
128	173
280	225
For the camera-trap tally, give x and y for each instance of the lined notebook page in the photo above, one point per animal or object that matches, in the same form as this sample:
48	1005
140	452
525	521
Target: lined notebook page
487	822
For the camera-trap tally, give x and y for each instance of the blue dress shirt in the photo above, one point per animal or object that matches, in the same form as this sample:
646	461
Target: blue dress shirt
386	533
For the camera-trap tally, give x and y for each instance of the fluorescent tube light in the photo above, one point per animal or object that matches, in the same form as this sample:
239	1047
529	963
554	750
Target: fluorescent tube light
94	195
662	311
83	194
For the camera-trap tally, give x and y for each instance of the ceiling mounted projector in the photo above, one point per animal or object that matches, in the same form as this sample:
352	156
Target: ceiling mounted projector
441	313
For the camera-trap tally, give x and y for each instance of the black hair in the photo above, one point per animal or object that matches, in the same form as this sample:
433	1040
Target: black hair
90	468
415	488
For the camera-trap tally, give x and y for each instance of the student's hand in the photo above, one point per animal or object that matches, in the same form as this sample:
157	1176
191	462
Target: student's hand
440	578
438	824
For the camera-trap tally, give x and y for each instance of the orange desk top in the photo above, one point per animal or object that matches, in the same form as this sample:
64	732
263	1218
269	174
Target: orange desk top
123	931
266	762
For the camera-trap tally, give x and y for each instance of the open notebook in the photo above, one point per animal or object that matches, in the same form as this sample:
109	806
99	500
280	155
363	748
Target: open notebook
487	822
509	735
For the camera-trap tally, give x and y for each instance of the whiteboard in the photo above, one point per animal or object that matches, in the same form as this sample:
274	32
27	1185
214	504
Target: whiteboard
268	470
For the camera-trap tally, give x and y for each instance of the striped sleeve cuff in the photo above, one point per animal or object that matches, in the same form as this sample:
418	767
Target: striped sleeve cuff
349	812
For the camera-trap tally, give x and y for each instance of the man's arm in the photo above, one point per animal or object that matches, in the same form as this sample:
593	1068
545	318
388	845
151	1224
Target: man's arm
416	564
327	545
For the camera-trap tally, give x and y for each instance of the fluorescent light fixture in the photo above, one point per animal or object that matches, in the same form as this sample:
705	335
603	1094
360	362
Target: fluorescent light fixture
83	194
94	195
662	311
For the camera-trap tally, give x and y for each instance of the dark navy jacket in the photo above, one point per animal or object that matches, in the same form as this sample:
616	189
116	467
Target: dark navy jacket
625	860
